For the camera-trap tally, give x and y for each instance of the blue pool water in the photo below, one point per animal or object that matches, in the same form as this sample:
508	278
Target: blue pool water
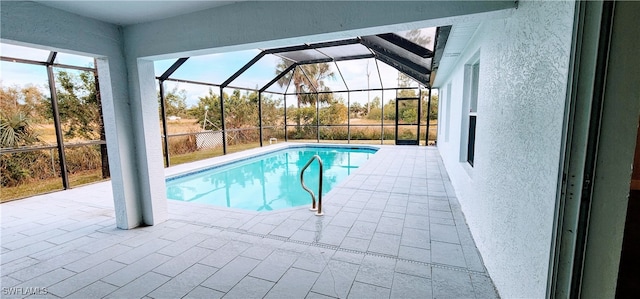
270	181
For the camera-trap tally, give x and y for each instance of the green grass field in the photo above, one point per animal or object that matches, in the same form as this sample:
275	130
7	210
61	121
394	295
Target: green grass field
49	185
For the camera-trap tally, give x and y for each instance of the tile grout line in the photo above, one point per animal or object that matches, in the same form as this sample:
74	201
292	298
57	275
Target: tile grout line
336	248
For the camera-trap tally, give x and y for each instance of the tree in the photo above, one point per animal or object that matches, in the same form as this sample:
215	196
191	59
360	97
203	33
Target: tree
390	110
356	109
78	105
16	130
271	111
375	103
407	111
175	102
241	110
80	110
27	100
306	79
376	111
335	114
208	106
434	107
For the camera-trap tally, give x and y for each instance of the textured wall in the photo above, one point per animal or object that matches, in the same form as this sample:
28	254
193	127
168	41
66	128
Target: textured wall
263	24
508	197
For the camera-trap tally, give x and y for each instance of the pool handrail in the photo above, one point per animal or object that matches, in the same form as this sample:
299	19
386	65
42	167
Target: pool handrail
313	197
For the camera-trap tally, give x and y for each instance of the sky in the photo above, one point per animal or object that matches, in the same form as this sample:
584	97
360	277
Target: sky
20	74
215	68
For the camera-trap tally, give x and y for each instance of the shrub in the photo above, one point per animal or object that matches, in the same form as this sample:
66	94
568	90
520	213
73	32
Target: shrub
29	167
333	133
389	134
83	158
13	169
182	145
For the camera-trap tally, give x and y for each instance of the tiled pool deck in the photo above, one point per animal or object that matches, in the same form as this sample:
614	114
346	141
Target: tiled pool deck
393	229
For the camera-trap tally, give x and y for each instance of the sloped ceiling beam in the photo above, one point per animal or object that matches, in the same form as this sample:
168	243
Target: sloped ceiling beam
378	49
420	77
344	42
243	69
412	69
282	74
172	68
406	44
442	35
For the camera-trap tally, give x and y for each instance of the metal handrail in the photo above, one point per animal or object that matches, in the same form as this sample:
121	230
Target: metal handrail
313	197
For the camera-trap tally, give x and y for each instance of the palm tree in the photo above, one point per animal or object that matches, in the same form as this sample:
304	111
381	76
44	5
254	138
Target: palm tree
16	130
316	74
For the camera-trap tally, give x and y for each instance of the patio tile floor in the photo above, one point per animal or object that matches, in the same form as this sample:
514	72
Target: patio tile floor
393	229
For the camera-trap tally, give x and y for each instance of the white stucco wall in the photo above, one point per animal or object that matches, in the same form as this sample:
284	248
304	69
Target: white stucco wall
508	196
265	24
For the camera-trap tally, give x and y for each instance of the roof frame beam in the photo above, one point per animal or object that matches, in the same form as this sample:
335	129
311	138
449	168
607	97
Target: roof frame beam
355	57
46	63
415	71
343	42
243	69
278	77
329	59
313	61
379	50
406	44
172	68
442	35
420	77
308	79
52	57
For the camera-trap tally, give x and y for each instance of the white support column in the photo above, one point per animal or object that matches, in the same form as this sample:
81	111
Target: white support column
133	140
120	141
148	145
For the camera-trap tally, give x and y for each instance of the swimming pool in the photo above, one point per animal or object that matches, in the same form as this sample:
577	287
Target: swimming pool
270	181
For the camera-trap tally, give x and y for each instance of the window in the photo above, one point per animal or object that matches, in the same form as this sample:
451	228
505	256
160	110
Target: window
473	111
